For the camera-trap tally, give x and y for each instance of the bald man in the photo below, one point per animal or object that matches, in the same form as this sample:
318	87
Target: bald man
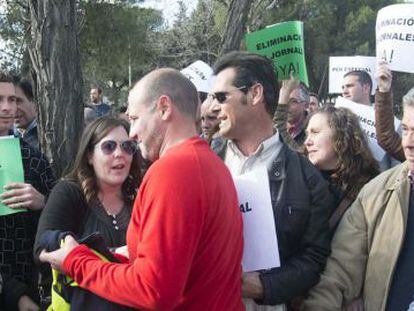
184	244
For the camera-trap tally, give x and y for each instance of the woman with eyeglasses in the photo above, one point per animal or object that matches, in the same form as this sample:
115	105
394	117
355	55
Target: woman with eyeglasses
97	195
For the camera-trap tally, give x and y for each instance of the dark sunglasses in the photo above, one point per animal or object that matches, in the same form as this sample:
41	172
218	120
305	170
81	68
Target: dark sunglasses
128	146
222	96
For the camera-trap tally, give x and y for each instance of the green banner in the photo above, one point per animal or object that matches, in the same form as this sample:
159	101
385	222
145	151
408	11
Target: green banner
284	44
11	168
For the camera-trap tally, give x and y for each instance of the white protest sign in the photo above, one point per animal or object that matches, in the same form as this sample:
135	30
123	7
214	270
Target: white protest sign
395	36
340	65
261	250
366	116
200	74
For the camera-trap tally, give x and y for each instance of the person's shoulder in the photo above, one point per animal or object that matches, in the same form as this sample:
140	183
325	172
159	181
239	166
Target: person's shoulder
67	184
387	179
185	158
28	152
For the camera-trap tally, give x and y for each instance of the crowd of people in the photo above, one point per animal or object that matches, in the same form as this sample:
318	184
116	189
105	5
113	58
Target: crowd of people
159	192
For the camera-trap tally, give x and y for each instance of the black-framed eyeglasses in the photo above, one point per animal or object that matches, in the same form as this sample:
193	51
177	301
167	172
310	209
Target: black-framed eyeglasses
128	146
222	96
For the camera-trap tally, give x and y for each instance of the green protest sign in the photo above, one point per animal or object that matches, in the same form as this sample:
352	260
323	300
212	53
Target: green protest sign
11	168
282	43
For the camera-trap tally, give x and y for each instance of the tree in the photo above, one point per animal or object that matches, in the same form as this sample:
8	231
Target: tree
115	43
190	38
55	57
235	25
341	28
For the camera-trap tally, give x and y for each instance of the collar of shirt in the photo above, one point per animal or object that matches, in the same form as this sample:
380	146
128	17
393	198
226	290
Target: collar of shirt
21	132
265	153
411	178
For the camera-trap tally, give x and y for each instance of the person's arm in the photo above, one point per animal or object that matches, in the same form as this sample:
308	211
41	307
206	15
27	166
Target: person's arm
280	117
168	228
343	277
64	211
387	137
15	296
300	272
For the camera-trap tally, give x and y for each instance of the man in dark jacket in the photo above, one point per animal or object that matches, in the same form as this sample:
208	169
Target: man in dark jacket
246	90
19	229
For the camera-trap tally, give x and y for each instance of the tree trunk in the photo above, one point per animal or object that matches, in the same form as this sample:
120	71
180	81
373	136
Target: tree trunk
235	25
55	56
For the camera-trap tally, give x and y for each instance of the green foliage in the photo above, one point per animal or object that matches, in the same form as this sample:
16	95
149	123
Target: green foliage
13	33
190	38
114	37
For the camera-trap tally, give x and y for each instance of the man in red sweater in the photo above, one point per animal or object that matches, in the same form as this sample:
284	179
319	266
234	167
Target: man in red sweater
185	235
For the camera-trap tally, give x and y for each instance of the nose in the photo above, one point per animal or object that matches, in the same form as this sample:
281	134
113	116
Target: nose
308	141
118	151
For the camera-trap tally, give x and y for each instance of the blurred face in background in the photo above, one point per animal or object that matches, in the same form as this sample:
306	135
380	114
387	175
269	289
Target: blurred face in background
26	110
313	103
209	117
297	107
95	96
353	90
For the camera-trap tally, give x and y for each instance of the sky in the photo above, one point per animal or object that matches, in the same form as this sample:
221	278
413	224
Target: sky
169	7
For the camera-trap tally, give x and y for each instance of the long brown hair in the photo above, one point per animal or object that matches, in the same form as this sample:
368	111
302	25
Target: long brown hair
356	164
83	173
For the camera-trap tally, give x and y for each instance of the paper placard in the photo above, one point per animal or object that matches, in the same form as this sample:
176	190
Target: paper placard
200	74
340	65
261	250
366	116
11	168
284	44
395	36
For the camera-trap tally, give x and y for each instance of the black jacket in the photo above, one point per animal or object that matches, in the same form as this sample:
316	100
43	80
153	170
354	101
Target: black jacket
301	206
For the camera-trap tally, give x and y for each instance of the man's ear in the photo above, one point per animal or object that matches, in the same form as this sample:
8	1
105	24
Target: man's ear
366	88
257	93
164	107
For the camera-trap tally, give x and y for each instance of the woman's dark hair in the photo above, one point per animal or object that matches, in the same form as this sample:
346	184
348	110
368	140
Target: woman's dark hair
356	165
83	173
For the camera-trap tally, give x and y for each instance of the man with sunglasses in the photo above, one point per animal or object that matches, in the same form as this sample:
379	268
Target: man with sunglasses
246	89
185	235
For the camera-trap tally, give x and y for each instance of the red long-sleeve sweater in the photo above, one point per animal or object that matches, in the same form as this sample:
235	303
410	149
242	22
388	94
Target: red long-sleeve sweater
184	239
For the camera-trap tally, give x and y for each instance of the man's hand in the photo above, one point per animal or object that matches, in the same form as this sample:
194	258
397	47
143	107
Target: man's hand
287	87
252	286
57	257
27	304
383	77
22	195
